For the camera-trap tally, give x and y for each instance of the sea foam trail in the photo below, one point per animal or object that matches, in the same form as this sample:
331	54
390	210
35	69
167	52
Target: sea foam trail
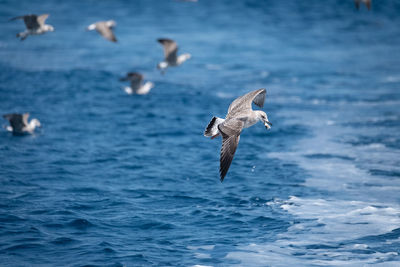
328	232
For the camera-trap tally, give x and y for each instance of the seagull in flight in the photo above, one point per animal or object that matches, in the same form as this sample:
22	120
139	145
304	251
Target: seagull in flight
35	25
137	86
240	115
105	29
19	123
171	58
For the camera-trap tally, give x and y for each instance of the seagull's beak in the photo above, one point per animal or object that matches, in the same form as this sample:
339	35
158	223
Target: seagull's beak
267	125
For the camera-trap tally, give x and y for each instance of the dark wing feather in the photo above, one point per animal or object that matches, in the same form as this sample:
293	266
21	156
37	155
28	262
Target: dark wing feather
136	79
31	22
16	120
228	149
230	132
170	49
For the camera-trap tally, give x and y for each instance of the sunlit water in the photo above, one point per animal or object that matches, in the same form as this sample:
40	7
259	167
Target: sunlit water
116	179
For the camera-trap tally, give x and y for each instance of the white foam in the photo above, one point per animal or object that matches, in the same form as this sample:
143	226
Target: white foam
319	236
326	230
202	255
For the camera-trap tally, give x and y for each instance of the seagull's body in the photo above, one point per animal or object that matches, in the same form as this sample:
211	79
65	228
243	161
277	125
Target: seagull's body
19	123
367	3
240	115
104	28
137	86
171	58
35	25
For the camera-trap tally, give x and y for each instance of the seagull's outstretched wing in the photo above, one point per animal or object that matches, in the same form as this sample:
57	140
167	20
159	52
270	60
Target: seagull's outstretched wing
244	102
106	31
170	49
30	21
42	18
230	131
136	79
17	121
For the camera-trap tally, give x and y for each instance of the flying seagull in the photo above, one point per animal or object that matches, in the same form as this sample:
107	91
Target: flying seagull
367	3
105	29
34	25
170	55
19	123
240	115
137	86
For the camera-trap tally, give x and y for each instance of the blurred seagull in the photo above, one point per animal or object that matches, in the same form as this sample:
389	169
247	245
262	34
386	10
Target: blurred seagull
170	55
365	2
34	25
19	123
240	115
105	29
137	87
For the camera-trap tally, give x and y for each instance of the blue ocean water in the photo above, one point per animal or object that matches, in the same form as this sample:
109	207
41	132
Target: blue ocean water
122	180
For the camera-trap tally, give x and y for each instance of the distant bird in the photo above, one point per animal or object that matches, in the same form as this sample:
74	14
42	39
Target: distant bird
367	3
105	29
137	86
34	25
240	115
171	58
19	123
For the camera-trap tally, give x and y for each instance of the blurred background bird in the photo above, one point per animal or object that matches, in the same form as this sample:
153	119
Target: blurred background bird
171	58
105	29
19	123
137	86
35	25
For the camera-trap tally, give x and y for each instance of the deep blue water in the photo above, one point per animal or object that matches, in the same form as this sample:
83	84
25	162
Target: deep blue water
119	180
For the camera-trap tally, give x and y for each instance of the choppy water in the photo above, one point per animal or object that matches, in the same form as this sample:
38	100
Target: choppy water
113	179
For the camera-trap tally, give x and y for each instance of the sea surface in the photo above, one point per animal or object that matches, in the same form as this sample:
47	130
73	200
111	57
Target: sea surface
123	180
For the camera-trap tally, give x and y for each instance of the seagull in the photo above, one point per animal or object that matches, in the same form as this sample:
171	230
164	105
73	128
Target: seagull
137	87
19	123
34	25
170	54
105	29
240	115
365	2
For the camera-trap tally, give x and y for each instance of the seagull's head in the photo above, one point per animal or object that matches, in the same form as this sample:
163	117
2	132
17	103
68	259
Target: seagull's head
49	28
262	116
35	123
111	23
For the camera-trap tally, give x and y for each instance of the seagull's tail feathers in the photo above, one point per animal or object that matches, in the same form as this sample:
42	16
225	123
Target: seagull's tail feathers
212	127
